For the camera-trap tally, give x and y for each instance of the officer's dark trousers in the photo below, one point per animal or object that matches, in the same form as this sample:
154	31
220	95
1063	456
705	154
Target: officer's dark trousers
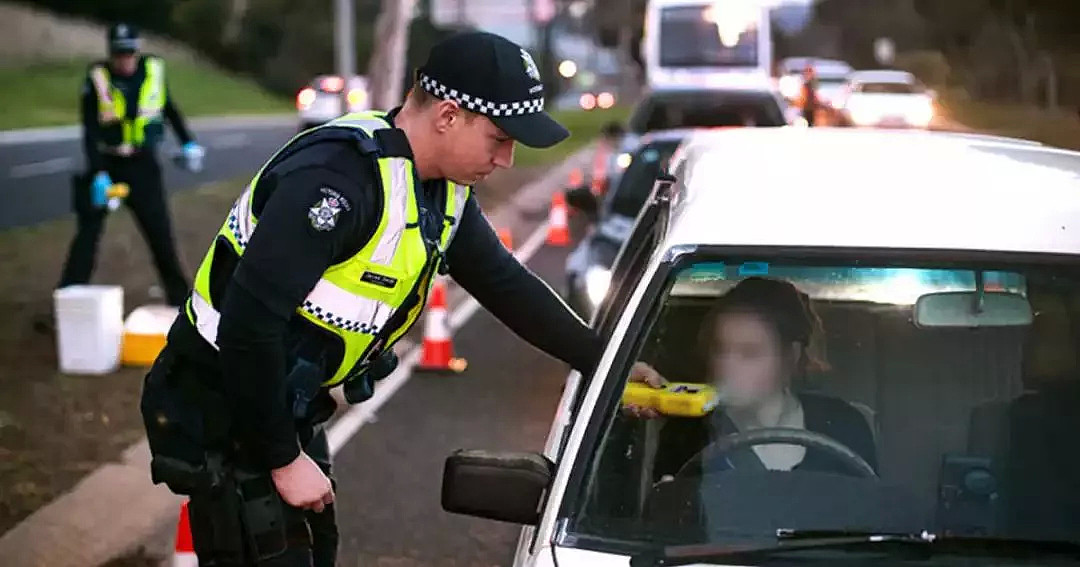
320	550
149	206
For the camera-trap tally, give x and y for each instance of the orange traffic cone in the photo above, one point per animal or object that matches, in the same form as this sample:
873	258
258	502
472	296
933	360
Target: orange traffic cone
184	553
558	229
438	347
506	237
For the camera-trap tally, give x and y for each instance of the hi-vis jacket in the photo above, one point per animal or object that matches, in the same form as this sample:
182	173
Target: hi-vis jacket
122	135
364	304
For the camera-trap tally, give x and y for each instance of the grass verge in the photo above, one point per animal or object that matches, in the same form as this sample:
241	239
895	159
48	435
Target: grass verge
197	89
1060	128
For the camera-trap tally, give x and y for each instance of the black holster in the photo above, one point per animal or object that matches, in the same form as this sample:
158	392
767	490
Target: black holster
243	519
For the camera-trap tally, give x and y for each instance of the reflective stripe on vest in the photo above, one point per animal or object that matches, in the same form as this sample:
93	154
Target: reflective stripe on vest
357	298
112	105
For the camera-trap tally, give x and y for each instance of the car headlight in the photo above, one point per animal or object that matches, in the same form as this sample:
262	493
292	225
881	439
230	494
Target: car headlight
597	281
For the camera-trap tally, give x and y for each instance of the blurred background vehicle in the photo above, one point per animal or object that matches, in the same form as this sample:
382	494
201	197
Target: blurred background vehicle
886	98
321	99
612	215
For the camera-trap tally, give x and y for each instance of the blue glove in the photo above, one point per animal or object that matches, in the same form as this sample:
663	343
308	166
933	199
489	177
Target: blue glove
193	154
98	189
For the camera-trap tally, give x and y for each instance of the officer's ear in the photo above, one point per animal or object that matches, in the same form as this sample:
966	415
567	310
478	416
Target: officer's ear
447	115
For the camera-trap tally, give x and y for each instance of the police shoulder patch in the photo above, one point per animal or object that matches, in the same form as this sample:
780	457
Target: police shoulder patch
324	213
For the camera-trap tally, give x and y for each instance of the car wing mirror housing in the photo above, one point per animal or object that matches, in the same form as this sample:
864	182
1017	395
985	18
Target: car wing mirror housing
502	486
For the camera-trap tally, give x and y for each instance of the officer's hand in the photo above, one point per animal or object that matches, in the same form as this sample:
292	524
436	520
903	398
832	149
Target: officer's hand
641	372
302	484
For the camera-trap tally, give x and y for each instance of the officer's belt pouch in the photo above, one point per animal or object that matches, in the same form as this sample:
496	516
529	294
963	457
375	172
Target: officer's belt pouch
183	419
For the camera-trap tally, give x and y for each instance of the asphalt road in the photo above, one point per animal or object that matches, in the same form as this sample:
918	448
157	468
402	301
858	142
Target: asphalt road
389	474
35	176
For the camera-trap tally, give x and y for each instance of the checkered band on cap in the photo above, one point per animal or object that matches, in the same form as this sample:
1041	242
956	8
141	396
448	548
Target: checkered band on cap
479	105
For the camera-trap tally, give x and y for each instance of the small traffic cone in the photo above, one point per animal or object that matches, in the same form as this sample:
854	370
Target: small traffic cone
184	553
438	347
558	228
506	237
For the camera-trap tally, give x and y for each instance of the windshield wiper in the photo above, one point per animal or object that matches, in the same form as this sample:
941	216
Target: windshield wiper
919	544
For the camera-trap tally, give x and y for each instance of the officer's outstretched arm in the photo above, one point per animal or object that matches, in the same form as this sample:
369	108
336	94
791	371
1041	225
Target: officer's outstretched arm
480	262
298	236
172	113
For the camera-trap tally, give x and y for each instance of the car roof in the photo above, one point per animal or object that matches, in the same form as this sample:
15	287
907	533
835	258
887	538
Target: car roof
886	189
881	76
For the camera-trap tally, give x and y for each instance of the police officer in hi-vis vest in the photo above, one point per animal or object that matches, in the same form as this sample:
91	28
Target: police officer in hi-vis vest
323	262
125	101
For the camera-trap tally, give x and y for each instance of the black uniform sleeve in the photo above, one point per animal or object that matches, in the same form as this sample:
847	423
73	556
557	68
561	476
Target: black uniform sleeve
89	110
286	256
251	339
172	113
516	296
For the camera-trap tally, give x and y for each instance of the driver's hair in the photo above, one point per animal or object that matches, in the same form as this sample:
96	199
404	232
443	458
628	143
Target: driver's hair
787	309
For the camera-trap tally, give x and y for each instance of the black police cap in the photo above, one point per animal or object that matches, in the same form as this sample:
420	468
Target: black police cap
493	76
123	38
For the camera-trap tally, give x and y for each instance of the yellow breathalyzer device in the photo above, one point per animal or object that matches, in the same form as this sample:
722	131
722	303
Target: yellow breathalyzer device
681	399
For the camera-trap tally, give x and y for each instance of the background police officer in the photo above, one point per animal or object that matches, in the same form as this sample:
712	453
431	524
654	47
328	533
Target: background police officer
353	220
125	101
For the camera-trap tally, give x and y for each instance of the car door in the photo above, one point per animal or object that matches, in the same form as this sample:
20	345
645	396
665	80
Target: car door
628	268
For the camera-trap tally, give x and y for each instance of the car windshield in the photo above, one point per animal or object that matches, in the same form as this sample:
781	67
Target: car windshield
691	37
636	182
884	393
708	109
888	88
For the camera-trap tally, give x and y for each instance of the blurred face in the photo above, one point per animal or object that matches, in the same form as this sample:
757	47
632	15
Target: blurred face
748	362
473	148
123	63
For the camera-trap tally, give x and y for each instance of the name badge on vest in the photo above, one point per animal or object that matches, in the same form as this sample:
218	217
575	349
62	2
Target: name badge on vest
378	279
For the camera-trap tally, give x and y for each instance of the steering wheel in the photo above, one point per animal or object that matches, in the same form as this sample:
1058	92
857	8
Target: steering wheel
782	435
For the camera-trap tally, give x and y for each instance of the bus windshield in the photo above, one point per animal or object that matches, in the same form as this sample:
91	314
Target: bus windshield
696	36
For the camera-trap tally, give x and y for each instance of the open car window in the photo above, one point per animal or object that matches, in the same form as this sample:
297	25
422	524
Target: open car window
947	394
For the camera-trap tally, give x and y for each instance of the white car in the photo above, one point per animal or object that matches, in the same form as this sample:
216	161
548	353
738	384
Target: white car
885	99
321	100
943	426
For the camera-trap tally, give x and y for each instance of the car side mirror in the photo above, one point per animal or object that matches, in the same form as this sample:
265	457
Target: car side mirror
502	486
583	199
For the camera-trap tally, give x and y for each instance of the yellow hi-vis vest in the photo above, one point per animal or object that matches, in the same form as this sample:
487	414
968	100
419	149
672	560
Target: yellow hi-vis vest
367	302
120	134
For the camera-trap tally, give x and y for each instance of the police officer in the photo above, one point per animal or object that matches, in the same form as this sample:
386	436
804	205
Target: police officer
125	101
324	261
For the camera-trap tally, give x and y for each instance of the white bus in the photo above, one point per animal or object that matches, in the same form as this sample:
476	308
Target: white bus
703	42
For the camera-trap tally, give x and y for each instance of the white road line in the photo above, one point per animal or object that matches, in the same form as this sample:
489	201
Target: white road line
348	424
47	167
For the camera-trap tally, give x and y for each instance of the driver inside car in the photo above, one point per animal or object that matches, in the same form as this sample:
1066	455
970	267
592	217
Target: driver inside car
759	341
